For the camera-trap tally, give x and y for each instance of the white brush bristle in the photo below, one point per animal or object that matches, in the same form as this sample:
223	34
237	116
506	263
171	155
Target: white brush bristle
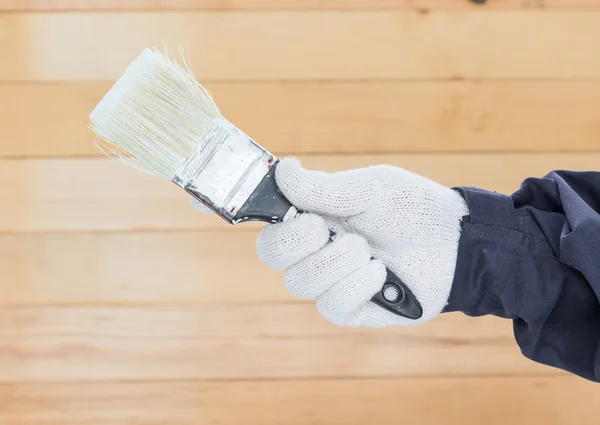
155	115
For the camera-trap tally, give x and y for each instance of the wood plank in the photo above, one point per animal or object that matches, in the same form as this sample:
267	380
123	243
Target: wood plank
277	45
236	5
311	117
493	401
244	342
103	195
115	268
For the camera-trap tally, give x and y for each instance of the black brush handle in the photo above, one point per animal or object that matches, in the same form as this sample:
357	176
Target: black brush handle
268	204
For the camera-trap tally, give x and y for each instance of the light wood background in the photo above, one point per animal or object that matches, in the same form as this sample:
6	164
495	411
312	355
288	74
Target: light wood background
119	304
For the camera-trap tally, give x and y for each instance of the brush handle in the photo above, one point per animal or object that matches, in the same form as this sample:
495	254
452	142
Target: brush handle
268	204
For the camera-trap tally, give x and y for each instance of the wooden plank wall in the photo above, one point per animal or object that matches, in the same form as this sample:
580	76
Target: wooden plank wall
121	305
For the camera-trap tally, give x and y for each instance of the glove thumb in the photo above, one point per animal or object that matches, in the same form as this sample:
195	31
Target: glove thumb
341	194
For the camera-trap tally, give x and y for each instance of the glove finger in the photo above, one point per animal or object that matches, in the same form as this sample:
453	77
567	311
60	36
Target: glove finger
341	194
316	274
370	315
423	281
284	244
340	303
336	226
200	207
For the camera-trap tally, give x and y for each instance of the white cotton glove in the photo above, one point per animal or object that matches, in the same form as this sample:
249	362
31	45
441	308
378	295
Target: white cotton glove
407	222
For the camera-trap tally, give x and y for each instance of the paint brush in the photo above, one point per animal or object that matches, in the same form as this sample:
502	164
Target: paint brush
158	118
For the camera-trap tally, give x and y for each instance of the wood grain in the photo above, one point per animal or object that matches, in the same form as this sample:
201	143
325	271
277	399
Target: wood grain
337	5
243	342
277	45
472	401
90	195
360	117
202	267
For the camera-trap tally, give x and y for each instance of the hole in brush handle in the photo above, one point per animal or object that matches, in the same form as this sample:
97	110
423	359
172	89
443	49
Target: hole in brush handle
404	303
269	205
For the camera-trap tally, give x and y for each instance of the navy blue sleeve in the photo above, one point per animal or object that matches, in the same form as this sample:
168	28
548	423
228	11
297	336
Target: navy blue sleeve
534	257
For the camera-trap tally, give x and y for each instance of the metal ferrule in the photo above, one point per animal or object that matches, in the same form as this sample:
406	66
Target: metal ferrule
224	169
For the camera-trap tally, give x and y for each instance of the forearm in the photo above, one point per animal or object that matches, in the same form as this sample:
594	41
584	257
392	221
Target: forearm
534	257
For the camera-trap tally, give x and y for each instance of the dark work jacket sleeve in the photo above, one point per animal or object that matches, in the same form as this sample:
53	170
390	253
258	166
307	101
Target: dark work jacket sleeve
534	257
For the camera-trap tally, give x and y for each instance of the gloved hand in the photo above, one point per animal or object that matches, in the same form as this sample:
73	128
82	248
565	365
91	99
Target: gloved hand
407	222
